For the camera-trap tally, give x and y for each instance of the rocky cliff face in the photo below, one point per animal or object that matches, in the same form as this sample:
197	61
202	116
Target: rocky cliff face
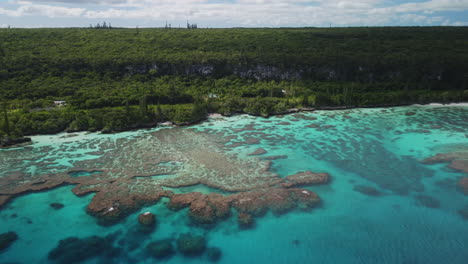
331	72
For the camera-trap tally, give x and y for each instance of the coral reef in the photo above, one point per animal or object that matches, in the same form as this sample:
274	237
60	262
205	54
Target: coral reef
191	245
305	178
207	209
259	151
204	209
77	250
160	249
132	173
458	160
367	190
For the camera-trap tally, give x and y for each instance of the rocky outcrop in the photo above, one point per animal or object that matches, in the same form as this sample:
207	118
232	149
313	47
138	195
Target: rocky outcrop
147	221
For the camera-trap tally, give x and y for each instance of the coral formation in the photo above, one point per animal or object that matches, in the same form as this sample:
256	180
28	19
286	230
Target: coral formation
132	173
245	220
367	190
77	250
305	178
147	219
191	245
160	249
207	209
457	160
259	151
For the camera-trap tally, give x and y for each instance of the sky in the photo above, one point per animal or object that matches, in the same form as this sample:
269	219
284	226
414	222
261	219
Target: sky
233	13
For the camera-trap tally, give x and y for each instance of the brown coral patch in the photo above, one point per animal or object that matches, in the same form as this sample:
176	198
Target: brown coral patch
458	160
208	209
463	185
305	178
257	152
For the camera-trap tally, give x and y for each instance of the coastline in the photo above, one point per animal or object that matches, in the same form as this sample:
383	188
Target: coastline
28	139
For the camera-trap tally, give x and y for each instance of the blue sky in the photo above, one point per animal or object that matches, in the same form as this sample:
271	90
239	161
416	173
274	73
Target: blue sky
233	13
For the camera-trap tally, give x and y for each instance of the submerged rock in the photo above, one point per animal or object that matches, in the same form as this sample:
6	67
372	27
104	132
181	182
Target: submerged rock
367	190
160	249
214	254
191	245
7	239
147	219
427	201
147	222
77	250
57	206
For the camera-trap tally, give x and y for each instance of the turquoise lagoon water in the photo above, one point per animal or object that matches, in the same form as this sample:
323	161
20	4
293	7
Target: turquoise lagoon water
380	148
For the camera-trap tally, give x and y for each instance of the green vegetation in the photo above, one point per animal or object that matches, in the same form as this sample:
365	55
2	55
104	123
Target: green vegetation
117	79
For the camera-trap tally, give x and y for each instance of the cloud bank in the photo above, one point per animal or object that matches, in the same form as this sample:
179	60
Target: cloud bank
253	13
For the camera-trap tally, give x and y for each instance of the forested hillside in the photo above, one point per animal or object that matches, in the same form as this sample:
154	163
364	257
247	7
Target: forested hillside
116	79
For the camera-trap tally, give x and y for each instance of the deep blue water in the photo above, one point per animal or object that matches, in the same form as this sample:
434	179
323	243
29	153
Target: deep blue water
362	147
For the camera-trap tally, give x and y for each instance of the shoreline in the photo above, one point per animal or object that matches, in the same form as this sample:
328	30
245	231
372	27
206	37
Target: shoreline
287	112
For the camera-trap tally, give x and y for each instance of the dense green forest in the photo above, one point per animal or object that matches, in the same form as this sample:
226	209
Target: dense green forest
116	79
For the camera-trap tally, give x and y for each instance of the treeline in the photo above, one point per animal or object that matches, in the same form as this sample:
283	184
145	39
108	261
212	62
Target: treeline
24	121
119	79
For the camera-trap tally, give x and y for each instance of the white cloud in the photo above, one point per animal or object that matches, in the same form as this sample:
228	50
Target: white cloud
247	12
28	8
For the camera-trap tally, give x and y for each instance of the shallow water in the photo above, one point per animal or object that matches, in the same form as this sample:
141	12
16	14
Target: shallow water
379	148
